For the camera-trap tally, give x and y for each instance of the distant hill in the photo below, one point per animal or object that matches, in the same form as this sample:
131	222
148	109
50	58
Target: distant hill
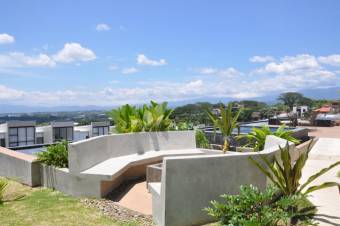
320	93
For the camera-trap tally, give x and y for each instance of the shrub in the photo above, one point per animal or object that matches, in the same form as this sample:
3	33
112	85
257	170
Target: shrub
253	207
201	139
286	176
153	117
257	137
55	155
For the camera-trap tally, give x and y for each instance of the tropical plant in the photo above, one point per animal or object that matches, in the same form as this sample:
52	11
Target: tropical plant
286	176
226	124
55	155
126	119
254	207
257	137
201	139
154	117
11	197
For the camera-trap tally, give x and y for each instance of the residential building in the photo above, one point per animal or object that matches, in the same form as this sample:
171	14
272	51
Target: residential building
17	134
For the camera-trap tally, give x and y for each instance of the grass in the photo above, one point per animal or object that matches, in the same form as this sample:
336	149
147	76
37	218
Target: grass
45	207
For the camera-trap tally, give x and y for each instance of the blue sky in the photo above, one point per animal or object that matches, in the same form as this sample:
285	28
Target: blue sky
114	52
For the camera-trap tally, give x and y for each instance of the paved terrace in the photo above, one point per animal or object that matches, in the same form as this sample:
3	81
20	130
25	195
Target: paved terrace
325	152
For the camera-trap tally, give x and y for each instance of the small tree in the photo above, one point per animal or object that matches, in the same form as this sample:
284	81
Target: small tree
226	124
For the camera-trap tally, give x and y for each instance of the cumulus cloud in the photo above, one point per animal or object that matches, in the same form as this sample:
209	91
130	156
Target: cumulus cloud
261	59
333	60
71	53
6	39
103	27
288	64
74	52
18	59
143	60
130	70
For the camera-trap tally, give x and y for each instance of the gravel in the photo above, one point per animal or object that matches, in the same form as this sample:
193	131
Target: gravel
117	212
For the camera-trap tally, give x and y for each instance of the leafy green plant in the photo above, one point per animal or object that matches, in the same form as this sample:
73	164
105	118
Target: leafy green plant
226	124
257	137
126	119
55	155
9	198
254	207
286	176
153	117
201	139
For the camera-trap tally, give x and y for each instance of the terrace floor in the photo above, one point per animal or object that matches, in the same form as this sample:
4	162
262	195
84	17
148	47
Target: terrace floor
325	152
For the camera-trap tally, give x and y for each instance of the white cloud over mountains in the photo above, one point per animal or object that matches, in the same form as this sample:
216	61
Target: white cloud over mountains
6	38
287	73
70	53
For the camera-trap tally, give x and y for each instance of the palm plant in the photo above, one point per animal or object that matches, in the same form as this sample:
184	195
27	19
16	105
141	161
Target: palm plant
257	137
226	124
286	176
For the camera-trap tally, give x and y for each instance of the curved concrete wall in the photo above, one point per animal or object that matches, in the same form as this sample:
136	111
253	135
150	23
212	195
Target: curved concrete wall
87	153
190	183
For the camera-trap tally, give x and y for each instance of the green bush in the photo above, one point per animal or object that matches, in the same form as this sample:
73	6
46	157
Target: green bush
253	208
201	139
153	117
55	155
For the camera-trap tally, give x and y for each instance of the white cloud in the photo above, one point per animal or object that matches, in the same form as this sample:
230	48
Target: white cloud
207	70
333	60
7	93
18	59
227	72
291	63
261	59
6	39
143	60
130	70
103	27
71	53
74	52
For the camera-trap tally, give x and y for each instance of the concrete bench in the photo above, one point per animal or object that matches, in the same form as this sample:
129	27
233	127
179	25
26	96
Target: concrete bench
113	158
115	167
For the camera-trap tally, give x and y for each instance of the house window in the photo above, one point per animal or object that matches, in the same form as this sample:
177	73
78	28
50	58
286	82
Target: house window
63	133
2	142
21	136
100	130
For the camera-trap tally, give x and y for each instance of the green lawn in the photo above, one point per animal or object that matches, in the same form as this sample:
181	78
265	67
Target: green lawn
45	207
